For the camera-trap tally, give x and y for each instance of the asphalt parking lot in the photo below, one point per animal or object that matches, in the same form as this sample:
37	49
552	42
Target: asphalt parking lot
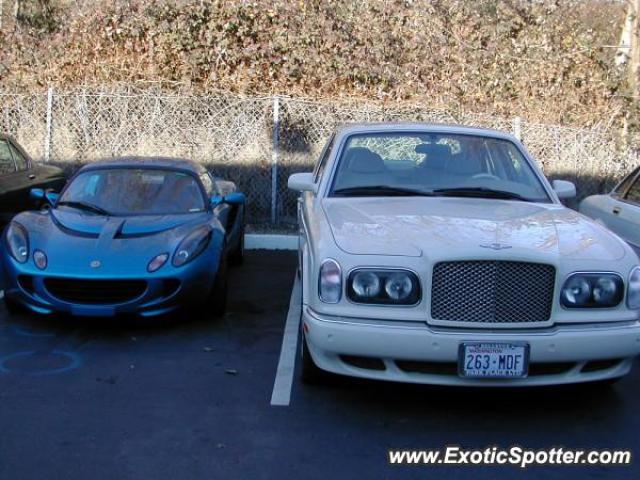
192	399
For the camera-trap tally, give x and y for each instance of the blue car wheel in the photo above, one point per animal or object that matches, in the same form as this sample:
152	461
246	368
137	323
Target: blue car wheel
217	299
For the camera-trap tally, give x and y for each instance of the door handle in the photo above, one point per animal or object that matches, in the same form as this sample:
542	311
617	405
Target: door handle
616	210
32	176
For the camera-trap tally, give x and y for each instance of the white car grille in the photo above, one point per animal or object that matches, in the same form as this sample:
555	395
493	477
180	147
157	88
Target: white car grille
492	291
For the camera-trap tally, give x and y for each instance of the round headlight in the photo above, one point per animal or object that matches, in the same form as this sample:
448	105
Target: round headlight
366	284
40	259
399	286
330	282
18	242
605	290
157	262
633	293
576	291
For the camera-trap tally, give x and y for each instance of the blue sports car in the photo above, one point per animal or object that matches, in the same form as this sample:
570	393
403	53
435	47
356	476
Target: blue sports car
132	235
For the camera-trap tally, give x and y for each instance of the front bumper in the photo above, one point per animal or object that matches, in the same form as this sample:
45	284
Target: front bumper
417	353
162	293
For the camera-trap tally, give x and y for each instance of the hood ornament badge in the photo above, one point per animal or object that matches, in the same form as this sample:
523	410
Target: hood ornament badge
496	246
95	264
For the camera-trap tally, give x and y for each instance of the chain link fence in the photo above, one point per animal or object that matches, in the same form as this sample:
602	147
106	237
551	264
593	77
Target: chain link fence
259	141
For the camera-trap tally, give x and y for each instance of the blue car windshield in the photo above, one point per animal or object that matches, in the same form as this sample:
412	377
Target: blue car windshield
131	191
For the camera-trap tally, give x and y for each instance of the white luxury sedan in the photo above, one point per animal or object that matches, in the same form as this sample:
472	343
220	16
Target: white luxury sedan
618	210
442	255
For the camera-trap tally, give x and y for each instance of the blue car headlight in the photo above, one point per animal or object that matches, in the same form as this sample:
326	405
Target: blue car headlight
592	290
18	242
191	246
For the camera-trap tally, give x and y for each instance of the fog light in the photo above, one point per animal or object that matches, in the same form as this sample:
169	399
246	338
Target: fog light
157	262
40	259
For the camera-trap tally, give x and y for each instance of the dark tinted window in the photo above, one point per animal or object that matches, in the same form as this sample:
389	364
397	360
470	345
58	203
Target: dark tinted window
624	184
21	162
6	160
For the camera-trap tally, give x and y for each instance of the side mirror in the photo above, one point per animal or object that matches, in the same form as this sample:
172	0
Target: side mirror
564	189
38	195
235	198
302	182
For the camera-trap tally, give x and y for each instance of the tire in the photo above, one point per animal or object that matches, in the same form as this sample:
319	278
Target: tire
13	307
236	256
217	300
310	373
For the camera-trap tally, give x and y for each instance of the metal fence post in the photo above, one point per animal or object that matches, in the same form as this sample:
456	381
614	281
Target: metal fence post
274	159
517	128
47	135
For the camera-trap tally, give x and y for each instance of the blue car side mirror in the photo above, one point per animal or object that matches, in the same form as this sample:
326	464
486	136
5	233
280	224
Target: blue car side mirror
38	195
235	198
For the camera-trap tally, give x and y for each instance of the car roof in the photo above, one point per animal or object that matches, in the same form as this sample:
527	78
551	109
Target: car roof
355	128
147	162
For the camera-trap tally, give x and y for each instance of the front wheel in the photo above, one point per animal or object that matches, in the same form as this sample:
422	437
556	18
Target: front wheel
12	306
217	300
236	256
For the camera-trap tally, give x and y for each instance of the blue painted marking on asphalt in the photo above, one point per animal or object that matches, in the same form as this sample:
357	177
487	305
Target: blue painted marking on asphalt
75	361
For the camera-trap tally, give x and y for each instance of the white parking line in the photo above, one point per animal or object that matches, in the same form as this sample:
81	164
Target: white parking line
281	395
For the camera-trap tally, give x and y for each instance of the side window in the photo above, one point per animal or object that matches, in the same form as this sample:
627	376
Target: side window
6	160
322	163
633	195
624	184
207	181
21	162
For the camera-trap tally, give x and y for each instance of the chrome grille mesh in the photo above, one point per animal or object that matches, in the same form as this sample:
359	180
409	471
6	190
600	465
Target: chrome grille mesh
492	291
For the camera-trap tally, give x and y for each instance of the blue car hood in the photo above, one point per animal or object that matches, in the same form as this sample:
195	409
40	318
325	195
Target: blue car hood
75	222
73	240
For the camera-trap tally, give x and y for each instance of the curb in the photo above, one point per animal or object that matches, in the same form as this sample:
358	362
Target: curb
270	242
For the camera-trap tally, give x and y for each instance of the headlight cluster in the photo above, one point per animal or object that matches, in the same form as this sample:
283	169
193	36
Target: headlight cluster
589	290
383	287
193	245
18	242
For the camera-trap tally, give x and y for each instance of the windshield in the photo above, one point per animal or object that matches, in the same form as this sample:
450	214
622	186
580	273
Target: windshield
435	164
130	191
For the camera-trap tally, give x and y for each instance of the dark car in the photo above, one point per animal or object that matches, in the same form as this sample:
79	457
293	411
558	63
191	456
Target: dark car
18	175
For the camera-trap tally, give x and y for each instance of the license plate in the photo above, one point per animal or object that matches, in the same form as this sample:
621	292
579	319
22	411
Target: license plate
493	360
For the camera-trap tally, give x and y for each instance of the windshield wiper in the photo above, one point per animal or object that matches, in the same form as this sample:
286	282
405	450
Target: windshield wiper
85	206
482	192
381	190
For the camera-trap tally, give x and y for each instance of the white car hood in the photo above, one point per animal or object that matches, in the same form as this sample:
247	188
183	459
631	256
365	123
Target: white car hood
411	226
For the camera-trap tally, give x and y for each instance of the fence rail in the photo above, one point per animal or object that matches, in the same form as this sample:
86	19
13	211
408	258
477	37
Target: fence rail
259	141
